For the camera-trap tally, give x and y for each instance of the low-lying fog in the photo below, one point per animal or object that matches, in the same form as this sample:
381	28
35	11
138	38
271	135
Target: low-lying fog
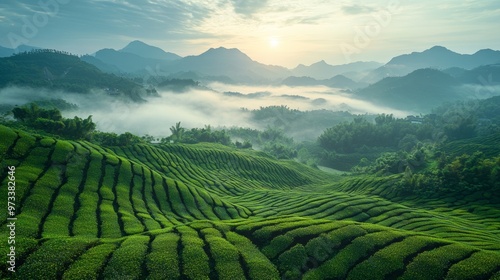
197	107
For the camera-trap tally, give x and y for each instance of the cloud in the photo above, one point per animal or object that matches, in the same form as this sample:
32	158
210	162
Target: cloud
194	108
248	7
356	9
108	20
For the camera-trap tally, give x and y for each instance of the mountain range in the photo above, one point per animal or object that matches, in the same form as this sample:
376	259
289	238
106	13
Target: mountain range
232	65
436	57
416	81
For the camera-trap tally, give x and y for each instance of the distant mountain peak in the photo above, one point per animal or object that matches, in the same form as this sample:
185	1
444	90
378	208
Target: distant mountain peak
438	48
321	62
225	52
147	51
223	49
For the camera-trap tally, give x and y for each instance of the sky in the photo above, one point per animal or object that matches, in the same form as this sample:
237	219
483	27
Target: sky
279	32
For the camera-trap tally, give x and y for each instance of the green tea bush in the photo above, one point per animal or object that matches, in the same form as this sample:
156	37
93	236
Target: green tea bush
194	259
259	267
481	264
163	261
292	262
433	264
226	258
90	263
126	261
51	259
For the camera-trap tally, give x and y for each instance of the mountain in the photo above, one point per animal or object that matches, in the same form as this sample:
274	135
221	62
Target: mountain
231	63
436	57
5	52
487	75
418	91
338	81
147	51
322	70
216	64
127	62
136	58
59	70
104	67
294	81
341	81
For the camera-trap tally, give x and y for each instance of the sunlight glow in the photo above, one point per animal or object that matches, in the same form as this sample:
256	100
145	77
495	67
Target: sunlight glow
274	42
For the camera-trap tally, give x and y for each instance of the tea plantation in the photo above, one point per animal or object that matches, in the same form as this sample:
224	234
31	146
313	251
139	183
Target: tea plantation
206	211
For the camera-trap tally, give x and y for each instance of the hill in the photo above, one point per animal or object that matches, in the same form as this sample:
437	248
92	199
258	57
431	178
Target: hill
58	70
338	81
231	63
192	211
442	58
124	61
487	75
437	57
322	70
419	91
147	51
6	52
216	64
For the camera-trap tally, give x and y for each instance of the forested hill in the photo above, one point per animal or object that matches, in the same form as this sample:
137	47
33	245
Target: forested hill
60	70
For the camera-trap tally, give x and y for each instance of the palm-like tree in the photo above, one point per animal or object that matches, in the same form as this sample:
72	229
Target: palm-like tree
177	131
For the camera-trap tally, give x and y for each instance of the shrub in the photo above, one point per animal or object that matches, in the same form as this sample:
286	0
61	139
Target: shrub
126	261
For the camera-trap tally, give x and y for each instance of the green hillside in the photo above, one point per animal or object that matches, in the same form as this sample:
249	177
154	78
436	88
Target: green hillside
59	70
207	211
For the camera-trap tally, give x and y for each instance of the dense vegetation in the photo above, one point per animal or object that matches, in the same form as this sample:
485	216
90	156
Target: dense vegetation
51	121
62	71
208	211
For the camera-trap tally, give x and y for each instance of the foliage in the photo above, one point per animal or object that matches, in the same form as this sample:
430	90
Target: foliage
59	70
387	131
113	139
197	135
176	85
467	173
51	121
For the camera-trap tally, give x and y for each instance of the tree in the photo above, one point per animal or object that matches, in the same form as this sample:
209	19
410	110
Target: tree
177	132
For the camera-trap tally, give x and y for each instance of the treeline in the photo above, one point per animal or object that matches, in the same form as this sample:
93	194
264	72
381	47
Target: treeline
51	121
176	85
386	132
273	141
197	135
460	174
343	146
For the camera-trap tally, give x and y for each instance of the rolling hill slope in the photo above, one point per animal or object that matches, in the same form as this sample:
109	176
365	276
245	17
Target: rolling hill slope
58	70
211	212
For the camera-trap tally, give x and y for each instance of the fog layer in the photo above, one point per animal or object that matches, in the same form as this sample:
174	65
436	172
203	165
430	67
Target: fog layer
219	105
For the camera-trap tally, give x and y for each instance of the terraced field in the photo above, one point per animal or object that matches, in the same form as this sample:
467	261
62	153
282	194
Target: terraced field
210	212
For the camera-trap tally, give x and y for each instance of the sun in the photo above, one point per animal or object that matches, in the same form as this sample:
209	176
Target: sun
274	42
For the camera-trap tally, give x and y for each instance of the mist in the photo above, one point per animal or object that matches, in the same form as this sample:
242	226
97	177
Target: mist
195	107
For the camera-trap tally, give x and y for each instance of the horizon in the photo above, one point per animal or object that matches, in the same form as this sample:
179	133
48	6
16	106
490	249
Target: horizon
299	64
270	32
